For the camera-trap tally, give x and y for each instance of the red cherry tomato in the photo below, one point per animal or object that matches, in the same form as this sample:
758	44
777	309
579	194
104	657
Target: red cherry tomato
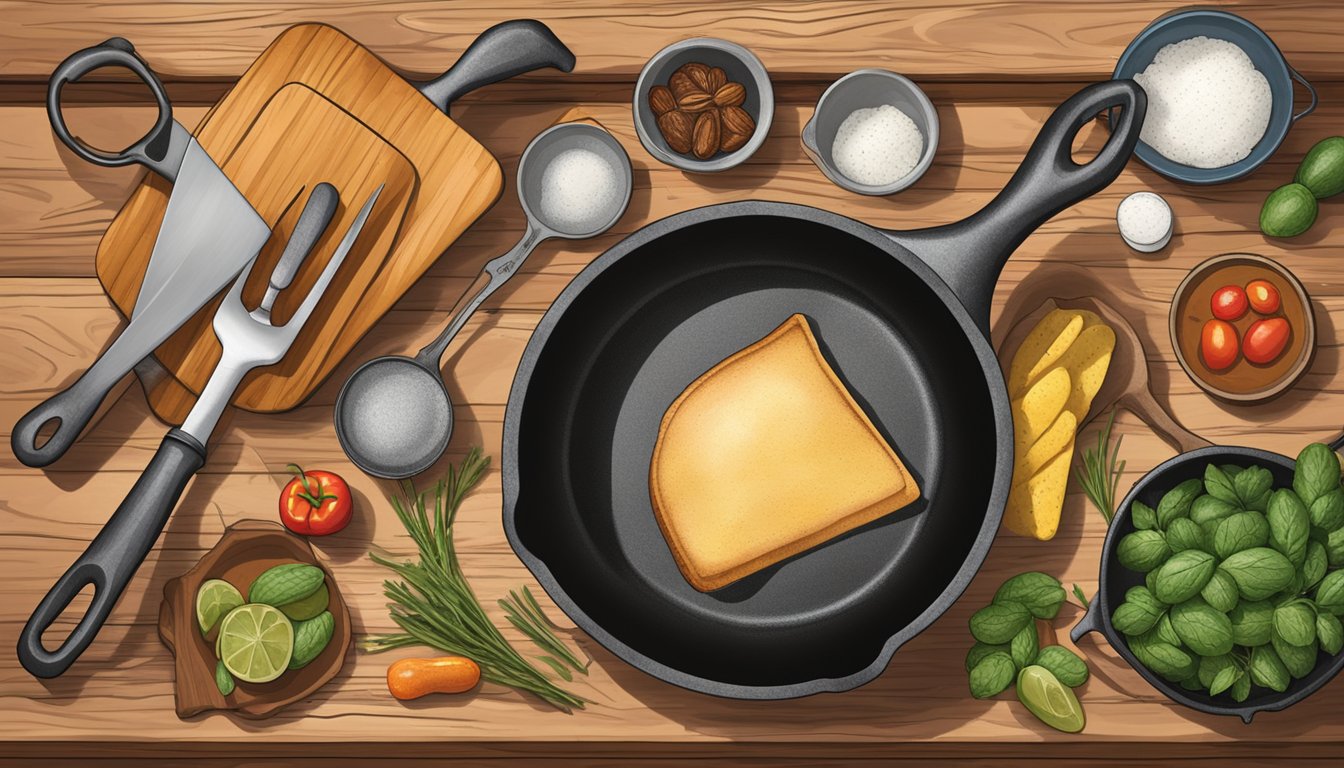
315	503
1266	339
1218	344
1264	297
1229	303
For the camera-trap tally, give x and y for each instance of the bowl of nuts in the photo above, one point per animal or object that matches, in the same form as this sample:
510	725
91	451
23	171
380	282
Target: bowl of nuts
703	105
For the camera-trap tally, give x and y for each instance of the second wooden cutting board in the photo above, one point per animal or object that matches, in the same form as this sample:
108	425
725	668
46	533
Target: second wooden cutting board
315	106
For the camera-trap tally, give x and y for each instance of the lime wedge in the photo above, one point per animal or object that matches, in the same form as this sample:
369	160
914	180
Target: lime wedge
215	598
309	607
1050	700
256	642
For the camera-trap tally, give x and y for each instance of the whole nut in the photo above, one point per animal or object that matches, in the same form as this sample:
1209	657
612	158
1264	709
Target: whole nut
699	74
717	77
677	127
730	95
705	135
680	84
661	100
696	101
731	142
736	121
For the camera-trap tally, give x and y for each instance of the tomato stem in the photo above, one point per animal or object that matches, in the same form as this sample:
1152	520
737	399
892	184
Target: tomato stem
313	495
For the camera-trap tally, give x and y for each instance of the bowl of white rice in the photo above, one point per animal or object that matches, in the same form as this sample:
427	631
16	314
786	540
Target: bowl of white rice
1220	95
874	132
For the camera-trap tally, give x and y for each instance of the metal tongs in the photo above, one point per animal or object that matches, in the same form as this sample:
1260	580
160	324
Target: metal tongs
249	339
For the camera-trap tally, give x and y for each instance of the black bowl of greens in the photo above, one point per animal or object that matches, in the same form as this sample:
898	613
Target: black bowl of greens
1222	578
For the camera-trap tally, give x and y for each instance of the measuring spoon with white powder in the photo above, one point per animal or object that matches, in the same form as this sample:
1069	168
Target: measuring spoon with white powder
394	416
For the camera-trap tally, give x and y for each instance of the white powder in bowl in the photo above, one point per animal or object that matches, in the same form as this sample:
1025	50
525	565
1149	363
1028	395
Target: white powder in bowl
579	192
395	413
1145	221
1208	105
877	146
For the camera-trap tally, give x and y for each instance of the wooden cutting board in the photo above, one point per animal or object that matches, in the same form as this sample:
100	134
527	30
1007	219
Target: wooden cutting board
315	106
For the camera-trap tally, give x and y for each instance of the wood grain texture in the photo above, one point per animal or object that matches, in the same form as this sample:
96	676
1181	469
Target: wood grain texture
996	59
957	39
316	106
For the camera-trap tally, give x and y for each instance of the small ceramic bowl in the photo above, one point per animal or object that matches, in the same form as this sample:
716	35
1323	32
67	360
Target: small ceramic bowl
1242	382
866	88
739	64
1262	51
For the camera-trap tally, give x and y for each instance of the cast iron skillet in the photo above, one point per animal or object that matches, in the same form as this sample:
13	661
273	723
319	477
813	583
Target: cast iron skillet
1115	580
903	318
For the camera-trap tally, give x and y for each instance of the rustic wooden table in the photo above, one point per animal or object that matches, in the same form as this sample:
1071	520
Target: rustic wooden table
994	70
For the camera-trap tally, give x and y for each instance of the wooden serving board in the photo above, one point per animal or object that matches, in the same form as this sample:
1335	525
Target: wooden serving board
315	106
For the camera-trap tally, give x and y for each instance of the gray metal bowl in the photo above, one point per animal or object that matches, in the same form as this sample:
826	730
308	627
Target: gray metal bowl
866	88
741	66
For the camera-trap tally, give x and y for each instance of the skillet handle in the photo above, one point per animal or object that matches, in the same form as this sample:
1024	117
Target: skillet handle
507	49
1091	621
968	255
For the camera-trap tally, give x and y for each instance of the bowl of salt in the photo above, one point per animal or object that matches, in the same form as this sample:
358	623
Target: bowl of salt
874	132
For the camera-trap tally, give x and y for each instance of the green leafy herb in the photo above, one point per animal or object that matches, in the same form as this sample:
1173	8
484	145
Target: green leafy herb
1299	660
1183	576
1330	593
1143	516
1099	474
1260	572
1316	472
1252	622
1176	502
1184	533
1064	664
1329	633
1239	532
1289	525
1327	511
525	614
998	622
433	603
1041	593
1082	597
1209	508
1024	646
1142	551
980	650
1221	592
1253	488
1204	630
1218	484
1267	669
992	675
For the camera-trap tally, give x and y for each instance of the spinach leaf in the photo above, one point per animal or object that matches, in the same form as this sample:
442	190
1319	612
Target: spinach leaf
1170	662
1260	572
1142	551
1314	565
1065	665
998	622
1241	689
1184	533
1184	575
1176	502
1225	678
1207	508
1024	646
1316	472
1135	618
1164	631
1144	516
980	650
1221	592
1289	525
1211	666
1204	630
1295	623
1330	593
1253	488
1241	531
1334	548
1327	511
1041	593
1218	484
1252	623
1299	660
1267	669
1329	633
992	675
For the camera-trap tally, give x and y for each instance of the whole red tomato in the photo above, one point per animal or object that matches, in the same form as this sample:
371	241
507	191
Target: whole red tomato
1264	297
315	503
1265	340
1229	302
1218	344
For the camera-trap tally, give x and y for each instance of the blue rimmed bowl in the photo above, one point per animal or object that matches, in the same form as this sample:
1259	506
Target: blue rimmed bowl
1221	25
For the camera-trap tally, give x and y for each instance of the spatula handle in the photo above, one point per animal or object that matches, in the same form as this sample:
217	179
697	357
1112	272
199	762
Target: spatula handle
113	557
500	52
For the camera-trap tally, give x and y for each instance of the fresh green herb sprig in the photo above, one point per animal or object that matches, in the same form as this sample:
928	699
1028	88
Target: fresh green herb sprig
435	606
1101	469
526	615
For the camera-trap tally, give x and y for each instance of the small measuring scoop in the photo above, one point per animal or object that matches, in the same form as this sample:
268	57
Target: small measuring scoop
394	417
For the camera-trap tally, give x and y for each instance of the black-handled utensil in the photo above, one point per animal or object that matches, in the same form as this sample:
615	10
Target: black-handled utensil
209	233
507	49
112	558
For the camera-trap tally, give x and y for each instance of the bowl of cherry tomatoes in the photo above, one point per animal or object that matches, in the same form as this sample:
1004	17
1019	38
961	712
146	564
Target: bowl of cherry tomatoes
1242	327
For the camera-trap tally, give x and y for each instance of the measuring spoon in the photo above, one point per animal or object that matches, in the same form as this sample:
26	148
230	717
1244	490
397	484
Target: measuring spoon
394	416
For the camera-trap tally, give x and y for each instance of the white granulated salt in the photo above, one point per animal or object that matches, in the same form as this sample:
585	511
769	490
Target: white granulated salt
1145	221
1208	105
579	191
877	146
398	412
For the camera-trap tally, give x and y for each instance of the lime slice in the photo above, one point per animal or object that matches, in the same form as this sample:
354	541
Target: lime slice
307	608
215	598
256	642
1050	700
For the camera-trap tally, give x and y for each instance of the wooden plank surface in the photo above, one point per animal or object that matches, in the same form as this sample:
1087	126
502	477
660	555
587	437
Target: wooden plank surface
117	701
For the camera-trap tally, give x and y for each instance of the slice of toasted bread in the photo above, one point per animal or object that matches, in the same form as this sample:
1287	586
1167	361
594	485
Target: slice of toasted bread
767	455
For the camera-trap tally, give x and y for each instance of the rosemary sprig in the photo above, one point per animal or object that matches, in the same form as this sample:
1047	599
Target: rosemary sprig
1100	471
526	615
435	606
1082	596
